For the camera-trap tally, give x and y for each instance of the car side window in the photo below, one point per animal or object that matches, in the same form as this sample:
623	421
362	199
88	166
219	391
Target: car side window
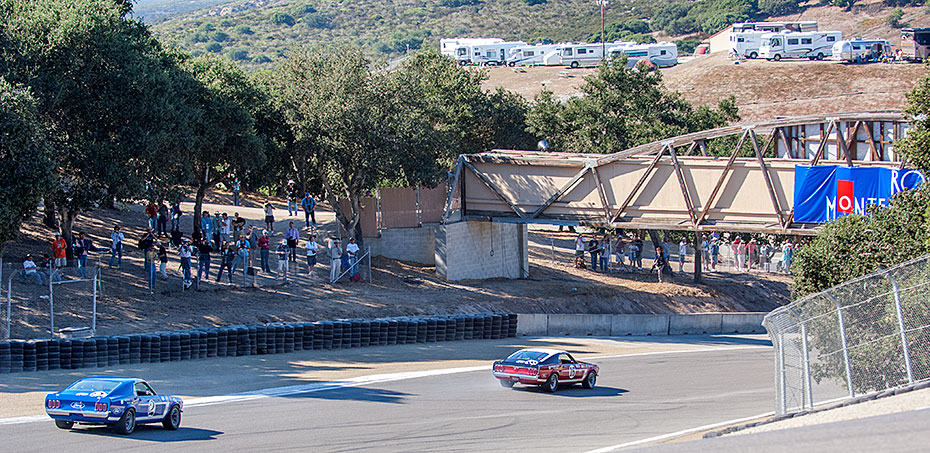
565	358
553	359
143	389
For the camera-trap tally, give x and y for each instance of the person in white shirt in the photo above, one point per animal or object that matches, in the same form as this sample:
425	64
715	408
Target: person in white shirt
31	271
312	248
225	228
682	252
335	256
116	247
580	248
352	250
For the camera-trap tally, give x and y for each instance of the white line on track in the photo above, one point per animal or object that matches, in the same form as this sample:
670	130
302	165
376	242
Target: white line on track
368	380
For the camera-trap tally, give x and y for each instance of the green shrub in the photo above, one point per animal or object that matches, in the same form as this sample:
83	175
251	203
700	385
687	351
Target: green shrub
317	20
207	27
283	19
261	59
214	47
686	46
535	2
219	36
903	2
779	7
244	30
225	23
458	3
239	55
894	19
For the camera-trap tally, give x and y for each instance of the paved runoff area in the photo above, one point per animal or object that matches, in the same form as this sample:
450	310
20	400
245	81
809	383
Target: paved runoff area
420	397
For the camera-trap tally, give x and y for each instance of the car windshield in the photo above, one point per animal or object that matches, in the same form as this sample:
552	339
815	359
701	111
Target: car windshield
526	357
94	385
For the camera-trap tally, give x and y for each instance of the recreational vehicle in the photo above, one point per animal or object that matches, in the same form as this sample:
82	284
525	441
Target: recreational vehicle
915	43
530	55
491	54
455	47
576	55
746	38
813	45
861	50
663	54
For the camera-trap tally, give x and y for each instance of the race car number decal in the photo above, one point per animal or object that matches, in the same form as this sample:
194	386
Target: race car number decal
151	408
571	371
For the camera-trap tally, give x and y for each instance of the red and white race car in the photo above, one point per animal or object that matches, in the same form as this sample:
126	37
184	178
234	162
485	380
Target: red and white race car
548	368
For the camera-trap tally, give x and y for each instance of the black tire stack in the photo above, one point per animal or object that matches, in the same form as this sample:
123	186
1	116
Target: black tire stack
243	340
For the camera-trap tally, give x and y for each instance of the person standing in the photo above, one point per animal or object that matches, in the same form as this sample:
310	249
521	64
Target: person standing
238	223
282	252
635	254
150	256
185	253
291	193
705	249
60	251
206	226
264	246
226	261
605	253
682	253
335	258
714	254
151	211
580	248
594	248
312	249
235	190
252	235
660	262
203	260
215	226
309	205
163	260
291	236
242	256
787	255
619	246
162	219
269	217
81	247
752	254
352	250
176	217
225	228
116	247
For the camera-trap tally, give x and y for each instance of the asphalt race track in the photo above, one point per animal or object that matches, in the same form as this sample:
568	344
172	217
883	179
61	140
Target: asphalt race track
637	397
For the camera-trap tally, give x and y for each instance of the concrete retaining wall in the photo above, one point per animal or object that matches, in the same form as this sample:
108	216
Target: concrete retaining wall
480	250
407	244
639	325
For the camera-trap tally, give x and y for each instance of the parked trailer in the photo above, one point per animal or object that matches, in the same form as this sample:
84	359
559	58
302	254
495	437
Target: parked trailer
915	43
746	37
861	50
663	54
491	54
577	55
530	55
812	45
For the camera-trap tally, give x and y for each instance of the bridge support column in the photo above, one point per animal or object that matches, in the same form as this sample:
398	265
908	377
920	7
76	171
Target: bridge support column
698	257
480	250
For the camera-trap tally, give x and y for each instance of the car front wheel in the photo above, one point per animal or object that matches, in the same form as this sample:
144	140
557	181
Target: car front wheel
590	380
64	424
552	384
173	420
753	55
127	423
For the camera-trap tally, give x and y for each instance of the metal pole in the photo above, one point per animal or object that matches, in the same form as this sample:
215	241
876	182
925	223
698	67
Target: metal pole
51	307
93	319
783	408
839	316
603	51
369	264
807	367
9	304
897	306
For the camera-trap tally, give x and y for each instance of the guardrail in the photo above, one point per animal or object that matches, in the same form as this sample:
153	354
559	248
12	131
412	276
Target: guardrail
867	334
243	340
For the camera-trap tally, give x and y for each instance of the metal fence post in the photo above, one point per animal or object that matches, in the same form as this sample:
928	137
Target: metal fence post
369	263
9	303
897	306
839	316
807	363
783	403
93	319
51	307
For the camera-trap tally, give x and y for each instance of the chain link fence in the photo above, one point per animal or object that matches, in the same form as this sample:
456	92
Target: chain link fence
40	304
865	335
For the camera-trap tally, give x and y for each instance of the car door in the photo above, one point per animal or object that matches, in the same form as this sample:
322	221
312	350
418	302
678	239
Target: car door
147	405
566	368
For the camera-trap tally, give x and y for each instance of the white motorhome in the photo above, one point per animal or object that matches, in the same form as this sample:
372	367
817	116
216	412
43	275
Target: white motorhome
813	45
861	50
575	55
530	55
493	54
662	54
457	47
746	37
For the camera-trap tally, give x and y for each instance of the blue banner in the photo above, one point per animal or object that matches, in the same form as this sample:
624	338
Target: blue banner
824	192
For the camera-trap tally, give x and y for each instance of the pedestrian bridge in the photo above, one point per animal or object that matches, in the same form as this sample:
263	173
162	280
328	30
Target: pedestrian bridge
678	183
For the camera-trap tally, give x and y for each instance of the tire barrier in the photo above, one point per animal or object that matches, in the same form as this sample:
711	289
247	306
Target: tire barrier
243	340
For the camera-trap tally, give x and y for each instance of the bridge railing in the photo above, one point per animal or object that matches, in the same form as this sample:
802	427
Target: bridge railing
865	335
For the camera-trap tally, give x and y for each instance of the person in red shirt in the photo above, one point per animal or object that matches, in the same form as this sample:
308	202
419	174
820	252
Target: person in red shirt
59	251
152	212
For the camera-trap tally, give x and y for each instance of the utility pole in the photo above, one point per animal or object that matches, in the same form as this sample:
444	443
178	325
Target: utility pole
603	4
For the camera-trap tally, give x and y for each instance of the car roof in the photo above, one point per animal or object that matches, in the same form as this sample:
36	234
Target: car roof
112	378
546	351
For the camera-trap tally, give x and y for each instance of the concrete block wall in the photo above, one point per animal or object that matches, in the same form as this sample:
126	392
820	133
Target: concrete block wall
638	325
480	250
407	244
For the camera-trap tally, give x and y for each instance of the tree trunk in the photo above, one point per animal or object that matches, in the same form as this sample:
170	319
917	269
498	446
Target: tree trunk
698	257
68	217
203	183
49	218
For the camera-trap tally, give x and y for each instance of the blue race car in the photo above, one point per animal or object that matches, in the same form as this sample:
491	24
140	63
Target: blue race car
118	401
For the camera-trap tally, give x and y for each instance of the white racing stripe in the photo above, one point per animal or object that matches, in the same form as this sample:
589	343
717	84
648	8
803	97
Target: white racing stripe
366	380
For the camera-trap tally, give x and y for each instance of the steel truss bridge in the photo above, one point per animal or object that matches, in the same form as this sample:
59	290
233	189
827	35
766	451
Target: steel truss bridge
675	184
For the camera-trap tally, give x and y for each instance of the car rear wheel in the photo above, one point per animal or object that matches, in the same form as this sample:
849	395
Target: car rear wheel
172	421
552	384
64	424
777	57
590	380
507	384
127	423
753	55
574	65
819	57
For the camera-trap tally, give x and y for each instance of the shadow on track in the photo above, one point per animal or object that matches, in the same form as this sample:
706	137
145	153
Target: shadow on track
153	433
576	391
373	395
